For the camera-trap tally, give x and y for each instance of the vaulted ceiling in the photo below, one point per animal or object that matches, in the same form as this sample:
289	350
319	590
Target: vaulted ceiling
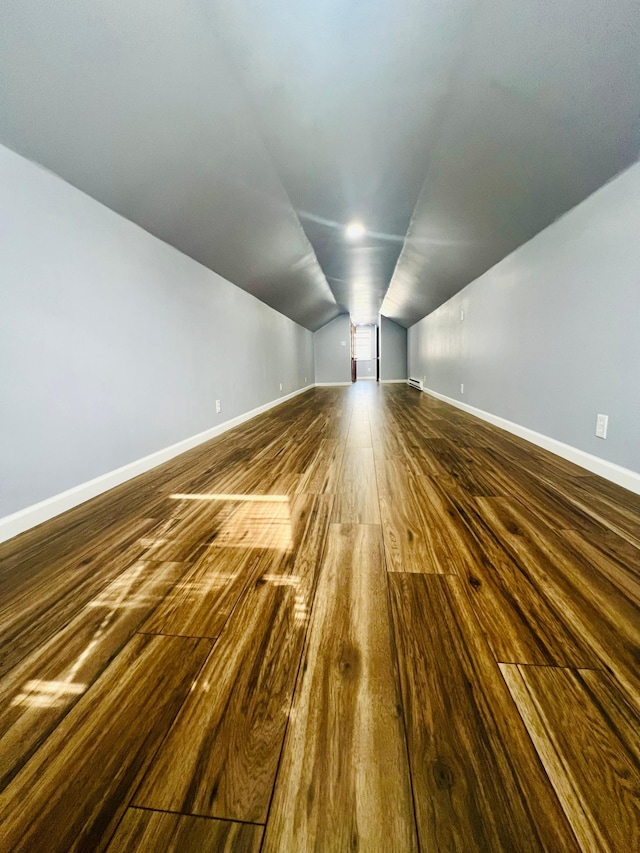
249	133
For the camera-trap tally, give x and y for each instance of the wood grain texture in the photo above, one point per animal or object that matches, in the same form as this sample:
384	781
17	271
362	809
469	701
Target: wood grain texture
595	608
615	558
422	531
519	617
38	692
343	782
221	756
200	602
255	532
610	505
541	553
357	496
359	434
462	466
72	792
44	602
597	780
323	472
518	481
146	831
478	784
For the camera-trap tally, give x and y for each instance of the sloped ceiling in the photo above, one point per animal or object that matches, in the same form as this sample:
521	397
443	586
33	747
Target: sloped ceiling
248	133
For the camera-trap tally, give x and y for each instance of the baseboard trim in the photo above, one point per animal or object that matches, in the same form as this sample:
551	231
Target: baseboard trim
365	378
331	384
31	516
624	477
393	381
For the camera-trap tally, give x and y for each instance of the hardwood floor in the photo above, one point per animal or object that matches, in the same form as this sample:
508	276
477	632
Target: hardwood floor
362	621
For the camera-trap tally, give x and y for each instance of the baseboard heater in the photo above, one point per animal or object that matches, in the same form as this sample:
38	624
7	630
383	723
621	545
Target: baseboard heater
415	383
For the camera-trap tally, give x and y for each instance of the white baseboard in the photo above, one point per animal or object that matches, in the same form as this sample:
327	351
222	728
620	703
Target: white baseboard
331	384
24	519
365	378
393	381
624	477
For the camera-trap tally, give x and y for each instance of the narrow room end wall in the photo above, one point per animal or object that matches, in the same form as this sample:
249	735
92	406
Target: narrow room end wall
332	348
393	351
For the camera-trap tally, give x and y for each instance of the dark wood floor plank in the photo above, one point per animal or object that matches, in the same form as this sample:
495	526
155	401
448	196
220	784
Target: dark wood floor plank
37	693
478	784
146	831
553	507
322	474
221	756
614	557
461	465
422	531
596	779
72	793
41	605
612	507
622	718
343	782
521	622
597	610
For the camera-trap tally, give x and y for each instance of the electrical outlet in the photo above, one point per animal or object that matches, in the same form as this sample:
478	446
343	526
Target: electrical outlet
281	386
217	406
462	387
602	423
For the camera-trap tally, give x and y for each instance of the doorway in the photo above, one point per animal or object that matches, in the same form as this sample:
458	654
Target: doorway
365	362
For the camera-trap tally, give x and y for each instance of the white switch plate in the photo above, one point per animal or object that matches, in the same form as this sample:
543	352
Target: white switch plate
281	386
462	387
217	405
343	343
602	422
461	314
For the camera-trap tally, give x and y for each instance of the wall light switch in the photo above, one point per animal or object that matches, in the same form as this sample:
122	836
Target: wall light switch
217	405
602	422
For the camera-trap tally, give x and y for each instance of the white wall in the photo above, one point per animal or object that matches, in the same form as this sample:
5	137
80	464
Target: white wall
551	335
393	351
332	350
114	345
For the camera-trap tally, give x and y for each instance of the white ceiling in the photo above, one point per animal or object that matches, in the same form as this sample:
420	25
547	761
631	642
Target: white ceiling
247	133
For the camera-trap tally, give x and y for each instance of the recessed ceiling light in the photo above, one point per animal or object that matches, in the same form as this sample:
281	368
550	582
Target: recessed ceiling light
355	230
